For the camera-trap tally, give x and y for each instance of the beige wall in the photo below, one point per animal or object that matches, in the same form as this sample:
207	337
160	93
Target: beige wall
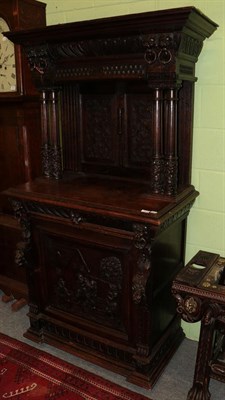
206	225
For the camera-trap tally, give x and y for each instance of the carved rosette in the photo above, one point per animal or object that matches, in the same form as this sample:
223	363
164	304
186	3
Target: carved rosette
143	263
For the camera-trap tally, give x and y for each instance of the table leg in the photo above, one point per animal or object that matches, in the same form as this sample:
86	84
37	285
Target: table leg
200	388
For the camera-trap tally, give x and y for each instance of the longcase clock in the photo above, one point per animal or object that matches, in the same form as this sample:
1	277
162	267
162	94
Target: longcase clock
19	130
8	78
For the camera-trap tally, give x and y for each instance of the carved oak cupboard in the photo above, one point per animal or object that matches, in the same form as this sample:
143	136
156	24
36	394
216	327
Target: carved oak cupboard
104	226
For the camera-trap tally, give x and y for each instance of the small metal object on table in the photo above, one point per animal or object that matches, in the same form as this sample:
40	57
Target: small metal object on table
199	290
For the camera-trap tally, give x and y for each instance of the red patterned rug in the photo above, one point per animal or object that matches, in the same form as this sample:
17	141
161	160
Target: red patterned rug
29	373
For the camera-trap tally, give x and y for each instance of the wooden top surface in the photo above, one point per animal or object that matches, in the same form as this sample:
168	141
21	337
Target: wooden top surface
102	195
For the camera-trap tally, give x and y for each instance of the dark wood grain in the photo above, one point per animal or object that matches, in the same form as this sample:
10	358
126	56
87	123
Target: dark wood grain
104	228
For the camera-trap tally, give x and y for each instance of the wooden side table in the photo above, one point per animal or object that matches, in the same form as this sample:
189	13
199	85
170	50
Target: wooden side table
199	290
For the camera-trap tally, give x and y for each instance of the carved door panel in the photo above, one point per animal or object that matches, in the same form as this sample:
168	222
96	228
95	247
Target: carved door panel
85	274
138	134
98	128
115	129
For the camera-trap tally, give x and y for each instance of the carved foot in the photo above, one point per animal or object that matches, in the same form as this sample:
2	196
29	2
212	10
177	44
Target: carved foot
198	392
18	304
7	298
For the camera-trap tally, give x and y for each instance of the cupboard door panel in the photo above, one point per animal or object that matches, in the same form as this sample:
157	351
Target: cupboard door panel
98	127
139	130
85	275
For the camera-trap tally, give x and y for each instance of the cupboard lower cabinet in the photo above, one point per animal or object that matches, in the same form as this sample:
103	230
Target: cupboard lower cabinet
100	286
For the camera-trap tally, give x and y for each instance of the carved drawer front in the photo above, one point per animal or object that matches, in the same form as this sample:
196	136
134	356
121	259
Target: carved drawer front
85	274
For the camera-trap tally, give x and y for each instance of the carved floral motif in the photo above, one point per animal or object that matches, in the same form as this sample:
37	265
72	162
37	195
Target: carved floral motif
143	263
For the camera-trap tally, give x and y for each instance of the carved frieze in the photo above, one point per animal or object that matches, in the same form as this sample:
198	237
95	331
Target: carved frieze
110	70
161	48
176	216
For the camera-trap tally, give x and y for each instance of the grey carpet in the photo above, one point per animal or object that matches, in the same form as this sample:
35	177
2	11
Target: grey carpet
173	384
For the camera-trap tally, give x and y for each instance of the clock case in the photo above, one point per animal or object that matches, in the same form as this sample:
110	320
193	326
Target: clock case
20	15
8	63
19	138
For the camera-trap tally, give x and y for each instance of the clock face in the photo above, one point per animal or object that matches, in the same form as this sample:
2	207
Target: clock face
7	61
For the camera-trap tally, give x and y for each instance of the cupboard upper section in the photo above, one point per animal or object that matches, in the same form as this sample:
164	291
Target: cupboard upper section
117	95
161	47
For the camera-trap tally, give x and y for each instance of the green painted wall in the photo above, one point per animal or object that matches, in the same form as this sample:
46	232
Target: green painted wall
206	224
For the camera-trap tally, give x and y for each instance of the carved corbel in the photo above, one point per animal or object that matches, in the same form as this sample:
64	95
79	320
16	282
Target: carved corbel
23	247
39	59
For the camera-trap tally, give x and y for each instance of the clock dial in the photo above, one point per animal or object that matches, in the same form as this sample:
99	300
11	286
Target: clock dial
7	61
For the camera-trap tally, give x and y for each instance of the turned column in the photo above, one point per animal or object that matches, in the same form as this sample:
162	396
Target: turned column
56	161
45	148
157	169
50	121
170	138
